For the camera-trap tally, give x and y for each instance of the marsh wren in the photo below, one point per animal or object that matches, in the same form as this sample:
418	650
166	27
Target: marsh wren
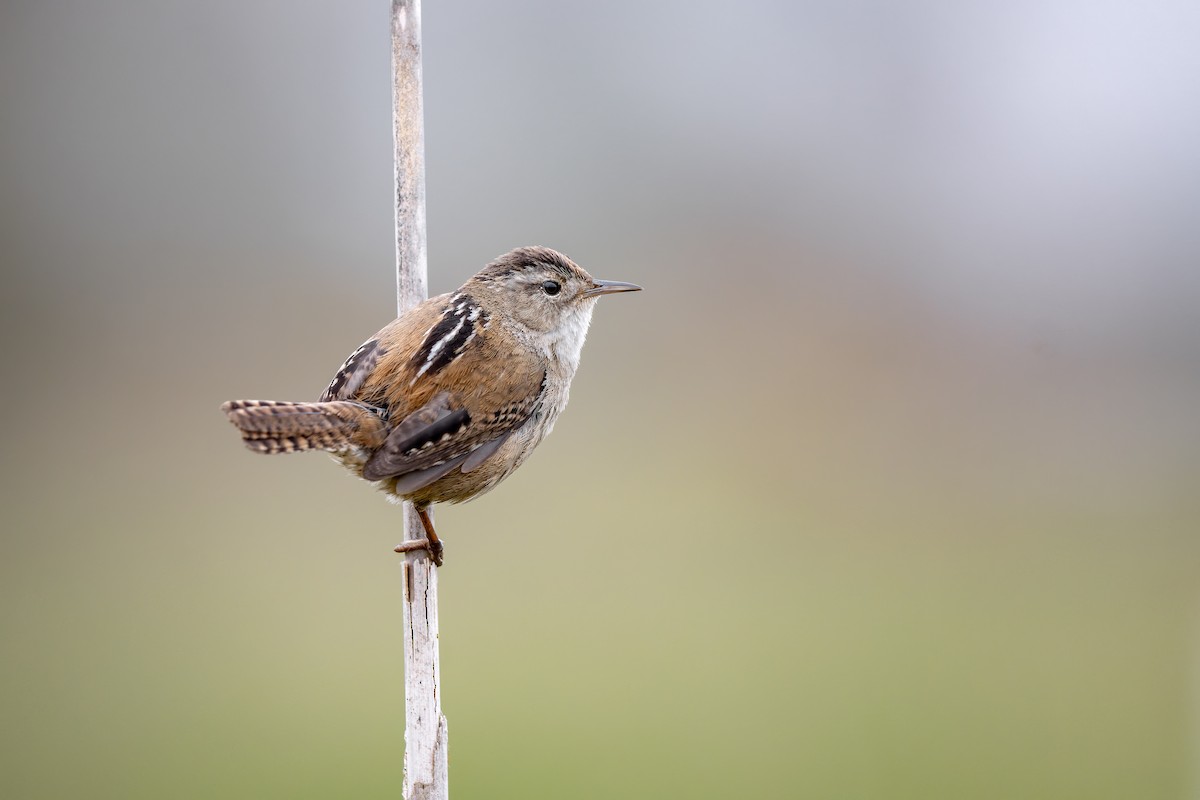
449	399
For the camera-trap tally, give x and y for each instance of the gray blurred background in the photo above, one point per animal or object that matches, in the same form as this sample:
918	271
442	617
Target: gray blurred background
885	488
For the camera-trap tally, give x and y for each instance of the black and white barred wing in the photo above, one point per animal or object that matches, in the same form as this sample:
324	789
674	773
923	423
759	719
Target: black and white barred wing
350	378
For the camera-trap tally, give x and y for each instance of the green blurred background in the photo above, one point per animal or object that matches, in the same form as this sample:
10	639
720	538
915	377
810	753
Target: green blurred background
885	488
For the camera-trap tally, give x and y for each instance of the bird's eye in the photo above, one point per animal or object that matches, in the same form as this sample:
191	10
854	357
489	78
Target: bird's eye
551	287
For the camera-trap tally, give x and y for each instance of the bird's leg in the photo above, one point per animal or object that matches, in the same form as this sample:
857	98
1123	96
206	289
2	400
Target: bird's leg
433	544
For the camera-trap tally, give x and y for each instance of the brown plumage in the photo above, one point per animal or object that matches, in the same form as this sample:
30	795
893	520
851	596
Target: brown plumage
449	399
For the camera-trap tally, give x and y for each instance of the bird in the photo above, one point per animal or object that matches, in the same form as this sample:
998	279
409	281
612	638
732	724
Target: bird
452	397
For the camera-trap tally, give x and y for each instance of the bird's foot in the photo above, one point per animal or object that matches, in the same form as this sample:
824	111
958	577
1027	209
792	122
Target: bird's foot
434	548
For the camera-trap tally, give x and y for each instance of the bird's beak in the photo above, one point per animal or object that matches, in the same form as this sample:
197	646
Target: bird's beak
600	287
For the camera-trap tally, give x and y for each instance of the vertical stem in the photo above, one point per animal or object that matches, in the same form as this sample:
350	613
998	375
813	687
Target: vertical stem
425	765
408	121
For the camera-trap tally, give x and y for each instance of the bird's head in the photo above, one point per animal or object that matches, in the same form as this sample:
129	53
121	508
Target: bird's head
544	291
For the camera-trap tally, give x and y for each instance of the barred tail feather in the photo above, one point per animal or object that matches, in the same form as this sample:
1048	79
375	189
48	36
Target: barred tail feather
274	426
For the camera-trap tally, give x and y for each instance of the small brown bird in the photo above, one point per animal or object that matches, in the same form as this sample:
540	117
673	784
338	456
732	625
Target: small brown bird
449	399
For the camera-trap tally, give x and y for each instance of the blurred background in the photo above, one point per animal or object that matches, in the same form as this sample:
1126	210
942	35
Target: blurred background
886	486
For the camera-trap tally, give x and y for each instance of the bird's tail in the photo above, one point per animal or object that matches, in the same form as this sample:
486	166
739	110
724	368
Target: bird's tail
273	426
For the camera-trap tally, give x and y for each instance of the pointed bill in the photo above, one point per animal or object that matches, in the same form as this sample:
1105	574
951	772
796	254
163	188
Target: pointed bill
600	287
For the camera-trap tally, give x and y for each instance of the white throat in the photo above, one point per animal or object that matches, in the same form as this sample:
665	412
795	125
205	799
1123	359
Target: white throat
564	343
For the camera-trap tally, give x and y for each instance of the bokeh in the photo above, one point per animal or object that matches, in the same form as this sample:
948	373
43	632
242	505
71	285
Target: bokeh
886	486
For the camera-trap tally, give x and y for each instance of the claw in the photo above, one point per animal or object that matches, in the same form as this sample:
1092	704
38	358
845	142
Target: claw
434	549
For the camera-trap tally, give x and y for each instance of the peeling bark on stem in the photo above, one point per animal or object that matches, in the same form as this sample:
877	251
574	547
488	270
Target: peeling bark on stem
425	764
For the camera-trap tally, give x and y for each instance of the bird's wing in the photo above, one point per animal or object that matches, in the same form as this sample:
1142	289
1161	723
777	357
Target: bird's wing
454	395
354	372
451	431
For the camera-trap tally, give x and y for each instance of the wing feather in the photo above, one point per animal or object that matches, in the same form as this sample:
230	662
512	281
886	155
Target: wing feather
452	395
349	379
